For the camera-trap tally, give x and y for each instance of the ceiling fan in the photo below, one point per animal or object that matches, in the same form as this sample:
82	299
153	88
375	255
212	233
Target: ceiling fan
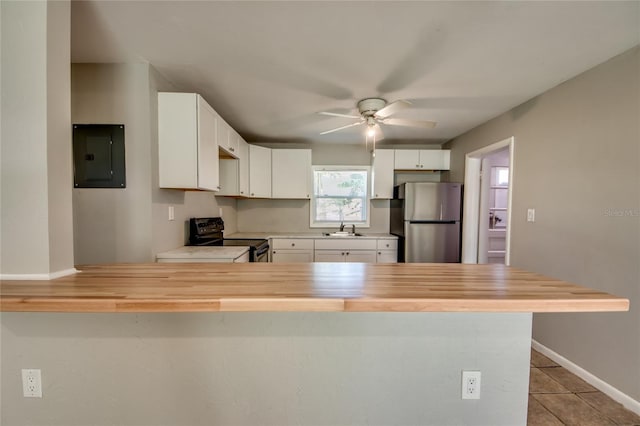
376	111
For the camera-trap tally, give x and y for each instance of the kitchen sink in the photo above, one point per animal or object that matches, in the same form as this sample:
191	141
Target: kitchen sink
341	234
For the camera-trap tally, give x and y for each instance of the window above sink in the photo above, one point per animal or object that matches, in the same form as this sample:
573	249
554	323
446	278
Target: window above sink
340	195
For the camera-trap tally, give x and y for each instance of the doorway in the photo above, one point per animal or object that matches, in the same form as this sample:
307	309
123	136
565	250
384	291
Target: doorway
488	192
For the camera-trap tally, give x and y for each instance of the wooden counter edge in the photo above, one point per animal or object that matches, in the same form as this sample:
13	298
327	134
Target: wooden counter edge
613	304
88	305
283	304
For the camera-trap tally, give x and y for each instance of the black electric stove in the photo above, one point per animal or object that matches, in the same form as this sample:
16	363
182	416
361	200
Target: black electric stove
207	231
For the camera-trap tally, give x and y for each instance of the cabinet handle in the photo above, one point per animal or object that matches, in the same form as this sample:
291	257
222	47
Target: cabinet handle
242	192
380	253
252	194
274	252
417	166
293	244
387	245
347	253
342	254
376	195
232	149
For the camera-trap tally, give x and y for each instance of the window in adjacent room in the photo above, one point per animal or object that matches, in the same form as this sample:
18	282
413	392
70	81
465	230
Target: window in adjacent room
340	194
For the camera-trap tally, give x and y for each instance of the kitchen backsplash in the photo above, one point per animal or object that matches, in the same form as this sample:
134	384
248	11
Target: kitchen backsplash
258	215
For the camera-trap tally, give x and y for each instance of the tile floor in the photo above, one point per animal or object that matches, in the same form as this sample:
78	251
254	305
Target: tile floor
558	397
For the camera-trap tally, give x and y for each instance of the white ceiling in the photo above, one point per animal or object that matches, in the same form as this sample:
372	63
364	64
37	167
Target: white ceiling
268	67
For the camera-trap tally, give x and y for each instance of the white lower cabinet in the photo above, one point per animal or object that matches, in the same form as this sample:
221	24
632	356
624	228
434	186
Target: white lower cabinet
363	256
387	251
345	250
363	250
387	256
292	250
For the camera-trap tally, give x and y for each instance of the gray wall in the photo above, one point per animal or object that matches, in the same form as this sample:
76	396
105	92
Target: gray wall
36	154
577	162
265	368
131	224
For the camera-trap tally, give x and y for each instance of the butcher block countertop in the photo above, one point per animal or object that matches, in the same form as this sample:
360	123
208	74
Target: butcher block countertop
335	287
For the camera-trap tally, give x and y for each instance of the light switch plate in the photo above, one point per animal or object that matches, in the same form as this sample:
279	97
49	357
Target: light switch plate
531	215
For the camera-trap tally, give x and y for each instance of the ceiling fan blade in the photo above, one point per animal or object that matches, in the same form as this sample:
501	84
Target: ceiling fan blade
333	114
392	108
343	127
411	123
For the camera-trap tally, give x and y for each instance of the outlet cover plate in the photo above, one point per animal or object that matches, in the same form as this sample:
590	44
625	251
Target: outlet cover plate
31	383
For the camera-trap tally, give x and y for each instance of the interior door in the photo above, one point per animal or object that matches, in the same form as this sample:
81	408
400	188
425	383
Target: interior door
432	242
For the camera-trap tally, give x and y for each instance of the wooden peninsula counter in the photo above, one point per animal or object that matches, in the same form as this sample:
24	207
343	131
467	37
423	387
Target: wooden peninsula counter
279	344
350	287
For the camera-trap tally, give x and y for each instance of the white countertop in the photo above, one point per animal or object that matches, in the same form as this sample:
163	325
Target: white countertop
316	235
208	252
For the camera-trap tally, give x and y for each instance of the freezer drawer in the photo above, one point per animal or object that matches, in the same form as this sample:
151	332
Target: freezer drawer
432	242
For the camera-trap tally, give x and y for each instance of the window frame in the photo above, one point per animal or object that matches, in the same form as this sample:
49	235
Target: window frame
332	224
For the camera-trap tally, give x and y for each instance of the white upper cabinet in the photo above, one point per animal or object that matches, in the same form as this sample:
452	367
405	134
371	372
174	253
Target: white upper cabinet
187	146
422	159
227	139
291	173
382	179
259	172
234	173
243	168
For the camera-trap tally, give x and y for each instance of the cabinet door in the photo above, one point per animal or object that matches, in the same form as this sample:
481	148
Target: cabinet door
243	168
208	173
234	139
222	134
329	256
229	177
363	256
259	172
434	159
292	256
387	256
177	140
382	179
291	170
407	159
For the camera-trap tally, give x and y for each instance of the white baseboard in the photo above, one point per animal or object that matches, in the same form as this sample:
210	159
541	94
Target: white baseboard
604	387
38	277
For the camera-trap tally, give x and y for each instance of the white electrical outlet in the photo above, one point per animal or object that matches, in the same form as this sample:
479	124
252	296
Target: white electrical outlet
172	213
531	215
31	383
471	385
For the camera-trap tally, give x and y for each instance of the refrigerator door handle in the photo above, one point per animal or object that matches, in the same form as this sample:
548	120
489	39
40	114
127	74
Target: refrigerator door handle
440	211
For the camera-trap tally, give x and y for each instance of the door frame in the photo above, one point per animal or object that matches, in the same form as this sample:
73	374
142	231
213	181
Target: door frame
471	209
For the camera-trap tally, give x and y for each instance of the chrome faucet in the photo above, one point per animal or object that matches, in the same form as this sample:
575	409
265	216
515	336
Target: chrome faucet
353	229
341	226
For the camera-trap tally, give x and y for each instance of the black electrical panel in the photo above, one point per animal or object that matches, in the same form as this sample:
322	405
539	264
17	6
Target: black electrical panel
98	156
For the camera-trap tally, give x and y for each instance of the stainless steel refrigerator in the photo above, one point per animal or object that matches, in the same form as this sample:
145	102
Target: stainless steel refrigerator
426	218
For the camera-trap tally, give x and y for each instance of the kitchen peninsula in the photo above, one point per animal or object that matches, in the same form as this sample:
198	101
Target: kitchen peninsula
271	344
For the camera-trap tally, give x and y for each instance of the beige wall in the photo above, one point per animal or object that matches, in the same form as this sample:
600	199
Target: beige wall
577	162
36	152
131	224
